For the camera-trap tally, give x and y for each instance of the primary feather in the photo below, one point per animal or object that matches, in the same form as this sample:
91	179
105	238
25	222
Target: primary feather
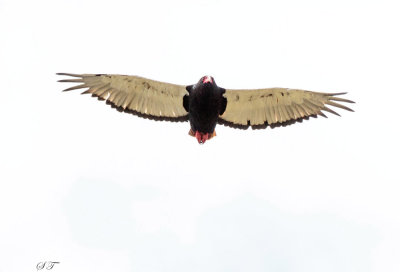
276	106
141	96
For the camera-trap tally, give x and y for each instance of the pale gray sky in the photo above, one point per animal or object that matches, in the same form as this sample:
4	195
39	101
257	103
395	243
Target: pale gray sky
98	190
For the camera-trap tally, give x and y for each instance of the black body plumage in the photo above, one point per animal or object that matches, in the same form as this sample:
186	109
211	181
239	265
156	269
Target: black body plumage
205	104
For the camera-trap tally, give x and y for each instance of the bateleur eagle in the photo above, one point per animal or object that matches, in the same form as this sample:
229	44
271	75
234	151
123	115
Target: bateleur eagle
204	104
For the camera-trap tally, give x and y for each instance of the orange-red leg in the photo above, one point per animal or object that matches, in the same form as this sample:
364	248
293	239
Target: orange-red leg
202	137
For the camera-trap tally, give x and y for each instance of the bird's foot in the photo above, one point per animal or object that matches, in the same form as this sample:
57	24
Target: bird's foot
202	137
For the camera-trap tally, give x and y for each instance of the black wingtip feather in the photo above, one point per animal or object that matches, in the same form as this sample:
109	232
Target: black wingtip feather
265	125
68	74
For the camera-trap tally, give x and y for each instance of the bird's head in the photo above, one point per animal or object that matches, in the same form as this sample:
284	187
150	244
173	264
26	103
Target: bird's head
207	80
206	83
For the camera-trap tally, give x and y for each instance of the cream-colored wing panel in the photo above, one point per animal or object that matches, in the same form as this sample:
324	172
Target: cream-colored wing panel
137	95
276	106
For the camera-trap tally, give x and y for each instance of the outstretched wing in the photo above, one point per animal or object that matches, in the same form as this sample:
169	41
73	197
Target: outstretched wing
137	95
276	107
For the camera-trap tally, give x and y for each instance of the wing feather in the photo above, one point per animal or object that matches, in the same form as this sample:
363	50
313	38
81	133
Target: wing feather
137	95
277	106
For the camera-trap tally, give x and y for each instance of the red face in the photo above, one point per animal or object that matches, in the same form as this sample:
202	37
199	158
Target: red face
207	79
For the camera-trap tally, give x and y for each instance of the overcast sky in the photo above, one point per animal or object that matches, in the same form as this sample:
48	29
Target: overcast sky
99	190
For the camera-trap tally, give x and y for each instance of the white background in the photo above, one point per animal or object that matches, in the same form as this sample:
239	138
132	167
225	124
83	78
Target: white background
97	190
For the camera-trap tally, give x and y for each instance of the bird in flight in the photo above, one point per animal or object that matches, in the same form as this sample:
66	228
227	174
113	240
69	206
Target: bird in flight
204	104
